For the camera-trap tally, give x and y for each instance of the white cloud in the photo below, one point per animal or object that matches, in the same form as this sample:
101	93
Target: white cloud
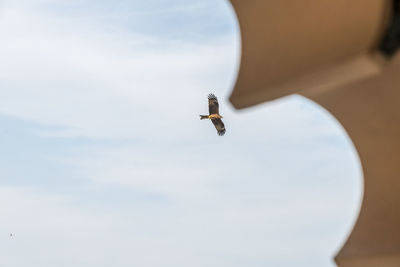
281	187
103	84
274	194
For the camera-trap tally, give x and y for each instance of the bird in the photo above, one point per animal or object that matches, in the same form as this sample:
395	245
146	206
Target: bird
214	116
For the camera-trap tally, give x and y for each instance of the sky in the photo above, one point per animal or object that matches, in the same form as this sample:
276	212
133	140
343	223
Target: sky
104	161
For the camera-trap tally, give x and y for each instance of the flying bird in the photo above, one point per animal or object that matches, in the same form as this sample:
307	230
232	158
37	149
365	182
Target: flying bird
214	114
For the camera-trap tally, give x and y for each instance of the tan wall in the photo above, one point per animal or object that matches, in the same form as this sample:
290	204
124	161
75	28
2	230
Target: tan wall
284	42
370	112
326	50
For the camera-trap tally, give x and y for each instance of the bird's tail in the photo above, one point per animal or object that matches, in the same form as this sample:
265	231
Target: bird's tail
202	117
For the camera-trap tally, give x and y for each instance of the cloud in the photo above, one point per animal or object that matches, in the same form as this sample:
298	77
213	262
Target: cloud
100	84
122	169
276	194
46	229
256	201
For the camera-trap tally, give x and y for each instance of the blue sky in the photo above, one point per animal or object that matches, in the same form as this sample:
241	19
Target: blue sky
104	161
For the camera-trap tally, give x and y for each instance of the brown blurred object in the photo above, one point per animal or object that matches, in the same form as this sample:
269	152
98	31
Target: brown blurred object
329	51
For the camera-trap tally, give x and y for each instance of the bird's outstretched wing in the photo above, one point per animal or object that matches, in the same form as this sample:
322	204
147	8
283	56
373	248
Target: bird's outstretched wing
219	125
213	104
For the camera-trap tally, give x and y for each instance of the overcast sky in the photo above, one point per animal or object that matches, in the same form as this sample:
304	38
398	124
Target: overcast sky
104	161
